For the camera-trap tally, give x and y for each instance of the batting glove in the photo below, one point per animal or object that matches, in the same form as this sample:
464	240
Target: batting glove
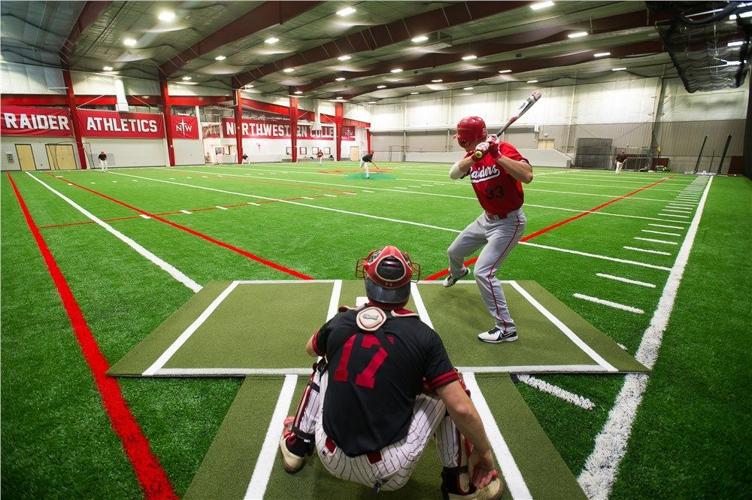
493	146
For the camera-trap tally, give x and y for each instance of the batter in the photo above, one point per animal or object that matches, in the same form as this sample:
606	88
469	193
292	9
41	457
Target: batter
497	171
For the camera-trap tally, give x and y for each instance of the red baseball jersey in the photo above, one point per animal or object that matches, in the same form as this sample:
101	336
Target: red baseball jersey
498	192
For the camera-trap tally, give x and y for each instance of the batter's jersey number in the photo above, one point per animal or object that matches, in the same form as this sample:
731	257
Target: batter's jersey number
494	192
367	377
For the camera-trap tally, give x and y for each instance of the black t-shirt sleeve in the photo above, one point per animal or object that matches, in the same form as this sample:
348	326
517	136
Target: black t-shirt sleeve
439	369
321	337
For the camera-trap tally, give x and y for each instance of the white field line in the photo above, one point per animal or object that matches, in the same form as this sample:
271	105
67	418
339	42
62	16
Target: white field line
220	207
563	328
625	280
645	250
598	476
674	215
454	183
509	469
143	216
183	337
556	391
400	221
275	372
471	198
419	305
596	256
651	240
582	184
668	227
609	303
659	232
265	461
677	210
183	211
334	300
168	268
254	204
329	209
685	206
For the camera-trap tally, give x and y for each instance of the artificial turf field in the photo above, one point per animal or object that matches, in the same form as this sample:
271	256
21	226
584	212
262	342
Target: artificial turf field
283	221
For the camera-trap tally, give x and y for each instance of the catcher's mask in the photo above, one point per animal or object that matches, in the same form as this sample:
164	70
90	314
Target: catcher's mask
387	273
470	131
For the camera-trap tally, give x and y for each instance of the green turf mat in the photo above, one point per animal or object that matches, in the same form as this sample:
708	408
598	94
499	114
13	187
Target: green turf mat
260	328
228	466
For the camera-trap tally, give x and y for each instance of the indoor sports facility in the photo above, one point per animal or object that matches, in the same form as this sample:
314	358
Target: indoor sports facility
188	185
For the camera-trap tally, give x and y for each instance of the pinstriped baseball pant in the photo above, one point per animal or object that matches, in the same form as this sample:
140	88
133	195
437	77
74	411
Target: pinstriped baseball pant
398	460
499	238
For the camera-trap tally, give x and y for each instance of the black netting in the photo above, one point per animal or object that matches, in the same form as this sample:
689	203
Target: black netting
709	42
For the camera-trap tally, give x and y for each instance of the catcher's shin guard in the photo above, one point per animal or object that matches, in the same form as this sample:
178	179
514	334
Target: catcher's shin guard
298	437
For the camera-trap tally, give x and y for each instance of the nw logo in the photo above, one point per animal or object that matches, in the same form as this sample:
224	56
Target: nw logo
183	127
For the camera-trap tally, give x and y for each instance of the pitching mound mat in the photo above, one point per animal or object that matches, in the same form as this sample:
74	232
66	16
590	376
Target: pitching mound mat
244	328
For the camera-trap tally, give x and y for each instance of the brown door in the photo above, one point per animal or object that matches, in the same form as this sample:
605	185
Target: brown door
66	160
50	148
25	157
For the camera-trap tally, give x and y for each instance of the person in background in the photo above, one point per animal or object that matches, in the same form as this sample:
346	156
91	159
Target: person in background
366	161
102	161
320	156
245	158
621	157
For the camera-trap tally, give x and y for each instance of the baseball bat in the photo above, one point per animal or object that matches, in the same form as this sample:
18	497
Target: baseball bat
521	110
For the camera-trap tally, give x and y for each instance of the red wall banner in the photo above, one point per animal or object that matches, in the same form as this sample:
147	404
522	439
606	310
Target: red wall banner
37	121
97	123
184	127
280	129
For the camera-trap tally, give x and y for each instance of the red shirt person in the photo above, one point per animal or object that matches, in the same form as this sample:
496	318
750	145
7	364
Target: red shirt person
497	171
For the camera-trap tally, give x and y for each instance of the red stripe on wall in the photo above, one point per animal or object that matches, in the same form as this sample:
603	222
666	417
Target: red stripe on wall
222	244
149	472
471	261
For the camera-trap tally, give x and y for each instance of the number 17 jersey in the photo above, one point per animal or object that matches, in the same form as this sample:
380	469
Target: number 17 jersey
374	377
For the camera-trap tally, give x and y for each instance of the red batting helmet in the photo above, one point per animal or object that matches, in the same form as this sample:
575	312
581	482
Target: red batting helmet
387	273
470	130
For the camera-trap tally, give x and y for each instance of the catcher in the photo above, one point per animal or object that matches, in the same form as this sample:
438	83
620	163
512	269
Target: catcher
365	409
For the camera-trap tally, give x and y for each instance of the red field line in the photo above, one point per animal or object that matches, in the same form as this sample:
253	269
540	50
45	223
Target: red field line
539	232
205	237
149	472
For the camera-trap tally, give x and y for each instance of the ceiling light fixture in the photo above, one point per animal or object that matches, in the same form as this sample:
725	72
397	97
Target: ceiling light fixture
187	78
340	79
468	88
602	54
578	34
502	71
271	40
380	86
339	97
736	43
288	70
298	92
541	5
344	58
618	69
469	57
107	68
438	80
166	15
248	86
346	11
129	42
397	70
419	39
220	58
532	81
414	93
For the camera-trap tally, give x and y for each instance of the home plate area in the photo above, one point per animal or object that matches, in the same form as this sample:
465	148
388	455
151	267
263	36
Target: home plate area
258	330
